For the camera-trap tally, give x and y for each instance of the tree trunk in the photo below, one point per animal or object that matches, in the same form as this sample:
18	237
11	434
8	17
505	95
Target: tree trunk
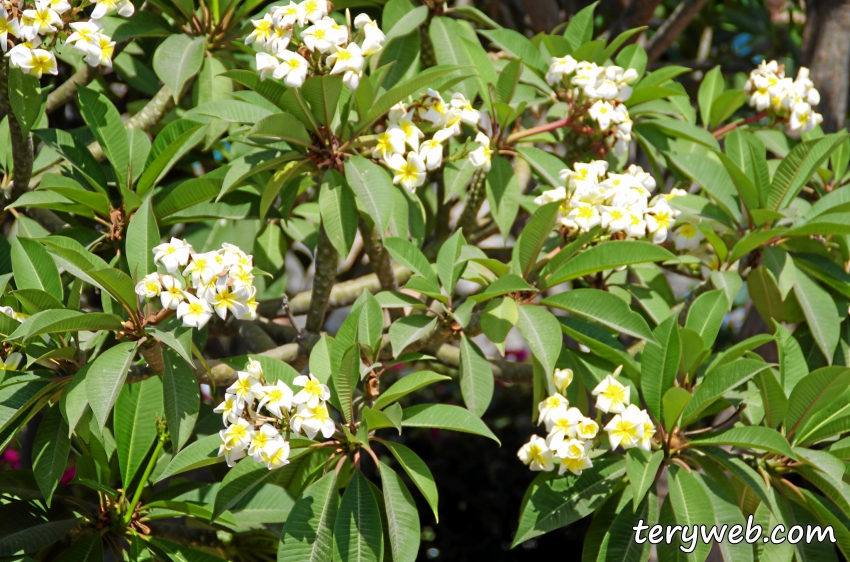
637	14
826	51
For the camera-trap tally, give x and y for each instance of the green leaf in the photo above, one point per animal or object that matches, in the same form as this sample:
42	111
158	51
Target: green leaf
556	501
706	315
603	307
619	543
231	111
503	192
405	385
747	190
370	325
641	467
280	127
820	312
726	512
580	29
74	402
25	99
373	187
497	320
308	533
633	56
25	527
177	60
609	255
547	165
796	169
119	286
719	382
541	331
709	90
444	416
135	424
376	419
674	402
142	236
418	472
357	533
510	283
773	398
517	46
182	398
34	269
409	329
50	451
407	254
813	393
402	516
712	177
476	378
88	548
108	129
691	504
240	481
660	364
449	265
534	236
203	452
105	379
339	211
725	105
447	37
75	152
61	321
750	437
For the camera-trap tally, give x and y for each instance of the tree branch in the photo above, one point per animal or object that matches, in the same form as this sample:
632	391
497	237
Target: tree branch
507	372
673	27
474	198
22	146
61	95
323	281
379	257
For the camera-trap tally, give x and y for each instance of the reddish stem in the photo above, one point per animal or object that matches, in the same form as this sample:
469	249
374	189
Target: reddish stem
732	126
540	129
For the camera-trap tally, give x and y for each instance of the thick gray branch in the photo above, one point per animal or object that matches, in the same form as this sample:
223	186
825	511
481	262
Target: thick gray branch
673	27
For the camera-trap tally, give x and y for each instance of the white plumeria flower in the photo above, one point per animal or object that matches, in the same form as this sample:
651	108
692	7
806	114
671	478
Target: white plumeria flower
560	67
602	112
232	455
551	196
409	173
288	16
226	298
203	268
626	429
584	215
246	389
397	113
645	439
41	20
433	109
369	27
614	219
313	10
451	125
637	225
468	114
412	134
84	33
482	156
207	291
319	36
659	220
562	425
266	65
172	255
346	58
255	369
262	439
59	6
149	287
276	453
7	25
125	8
276	398
389	142
563	379
312	392
536	455
241	276
11	362
230	410
431	152
351	79
612	397
803	118
643	177
280	39
687	237
172	293
237	436
99	51
587	429
293	69
317	420
262	32
252	304
573	455
550	408
194	312
371	46
41	62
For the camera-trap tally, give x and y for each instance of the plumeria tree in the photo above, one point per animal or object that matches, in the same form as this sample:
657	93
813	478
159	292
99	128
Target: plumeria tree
227	297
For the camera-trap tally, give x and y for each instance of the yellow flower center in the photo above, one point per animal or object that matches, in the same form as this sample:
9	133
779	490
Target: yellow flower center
343	55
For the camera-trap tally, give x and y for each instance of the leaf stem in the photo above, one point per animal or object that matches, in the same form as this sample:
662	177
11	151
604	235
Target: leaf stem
147	474
732	126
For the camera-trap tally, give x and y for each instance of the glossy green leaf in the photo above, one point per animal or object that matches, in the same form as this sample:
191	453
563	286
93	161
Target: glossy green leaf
418	472
105	379
541	331
405	385
750	437
641	468
604	308
135	424
476	378
177	60
357	533
609	255
182	398
444	416
33	267
660	364
50	451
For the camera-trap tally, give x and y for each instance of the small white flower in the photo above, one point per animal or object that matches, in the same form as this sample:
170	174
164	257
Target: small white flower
319	36
614	219
7	25
431	152
687	237
226	298
626	429
276	453
313	10
562	425
560	67
293	69
585	215
246	389
255	369
203	268
125	8
659	220
172	255
84	32
287	16
11	362
412	134
550	408
389	142
611	396
346	58
232	455
41	20
573	455
603	113
637	225
468	114
351	79
451	125
172	293
551	196
482	156
312	392
317	420
587	429
433	108
409	173
563	378
149	287
41	62
99	51
279	40
230	410
645	438
536	455
276	398
237	436
59	6
262	439
195	313
262	32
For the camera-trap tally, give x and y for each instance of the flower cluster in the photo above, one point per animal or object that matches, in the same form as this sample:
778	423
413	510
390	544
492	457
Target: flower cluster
443	121
39	26
598	91
258	417
572	435
620	203
788	100
309	28
218	281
